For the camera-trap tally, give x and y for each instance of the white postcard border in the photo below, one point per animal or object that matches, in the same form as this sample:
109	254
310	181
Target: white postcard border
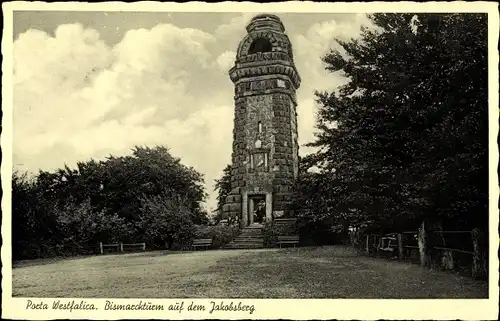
484	309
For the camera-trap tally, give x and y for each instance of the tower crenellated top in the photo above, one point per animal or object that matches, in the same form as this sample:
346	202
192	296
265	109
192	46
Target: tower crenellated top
265	50
265	33
266	22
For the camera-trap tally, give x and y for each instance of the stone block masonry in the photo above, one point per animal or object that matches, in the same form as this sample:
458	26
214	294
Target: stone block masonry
265	147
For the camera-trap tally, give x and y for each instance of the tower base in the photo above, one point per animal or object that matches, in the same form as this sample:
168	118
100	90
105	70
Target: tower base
252	207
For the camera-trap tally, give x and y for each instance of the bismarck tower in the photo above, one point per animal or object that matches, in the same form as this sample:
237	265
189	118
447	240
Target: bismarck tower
265	147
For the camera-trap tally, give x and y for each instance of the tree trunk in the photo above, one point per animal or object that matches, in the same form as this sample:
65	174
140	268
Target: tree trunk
422	245
480	258
401	252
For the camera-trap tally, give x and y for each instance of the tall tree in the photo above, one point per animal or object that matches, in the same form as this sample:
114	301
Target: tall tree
406	137
70	210
26	225
223	186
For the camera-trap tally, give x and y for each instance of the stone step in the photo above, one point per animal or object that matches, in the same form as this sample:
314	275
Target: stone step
250	237
250	234
250	228
244	246
239	239
253	227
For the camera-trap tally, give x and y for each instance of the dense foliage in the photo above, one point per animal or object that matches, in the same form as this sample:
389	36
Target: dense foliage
148	196
167	219
406	138
223	188
220	234
271	231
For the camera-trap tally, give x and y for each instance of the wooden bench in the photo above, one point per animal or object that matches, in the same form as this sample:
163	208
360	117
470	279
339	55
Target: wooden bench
206	243
133	246
283	221
387	245
107	246
120	246
294	239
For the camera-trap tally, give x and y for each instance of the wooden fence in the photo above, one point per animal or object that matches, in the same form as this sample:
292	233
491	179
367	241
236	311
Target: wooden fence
447	249
120	246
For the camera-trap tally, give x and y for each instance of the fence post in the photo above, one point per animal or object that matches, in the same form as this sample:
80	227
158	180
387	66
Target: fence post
100	248
144	246
367	244
400	246
121	247
422	245
480	262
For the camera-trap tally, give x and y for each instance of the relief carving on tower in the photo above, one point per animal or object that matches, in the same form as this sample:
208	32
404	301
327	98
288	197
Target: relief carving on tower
258	134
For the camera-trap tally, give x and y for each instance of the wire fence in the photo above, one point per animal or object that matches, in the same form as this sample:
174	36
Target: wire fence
452	250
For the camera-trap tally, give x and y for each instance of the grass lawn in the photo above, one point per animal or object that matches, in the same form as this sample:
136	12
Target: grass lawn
312	272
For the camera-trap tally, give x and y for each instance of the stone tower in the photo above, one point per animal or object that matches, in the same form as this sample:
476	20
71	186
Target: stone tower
265	148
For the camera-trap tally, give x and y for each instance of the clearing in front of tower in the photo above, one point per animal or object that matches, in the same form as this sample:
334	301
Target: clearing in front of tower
265	148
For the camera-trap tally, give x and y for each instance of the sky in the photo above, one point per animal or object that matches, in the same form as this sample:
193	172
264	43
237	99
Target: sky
91	84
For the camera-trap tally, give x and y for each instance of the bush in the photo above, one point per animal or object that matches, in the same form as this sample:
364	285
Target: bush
167	222
271	231
219	234
317	233
82	227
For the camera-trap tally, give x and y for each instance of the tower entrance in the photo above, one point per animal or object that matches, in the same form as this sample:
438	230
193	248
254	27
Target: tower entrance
257	209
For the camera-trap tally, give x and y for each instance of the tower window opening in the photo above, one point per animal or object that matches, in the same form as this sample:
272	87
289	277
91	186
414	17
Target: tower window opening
260	45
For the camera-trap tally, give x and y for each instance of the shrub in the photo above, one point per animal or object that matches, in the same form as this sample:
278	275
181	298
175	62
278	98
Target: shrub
219	234
271	231
166	221
82	227
318	232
